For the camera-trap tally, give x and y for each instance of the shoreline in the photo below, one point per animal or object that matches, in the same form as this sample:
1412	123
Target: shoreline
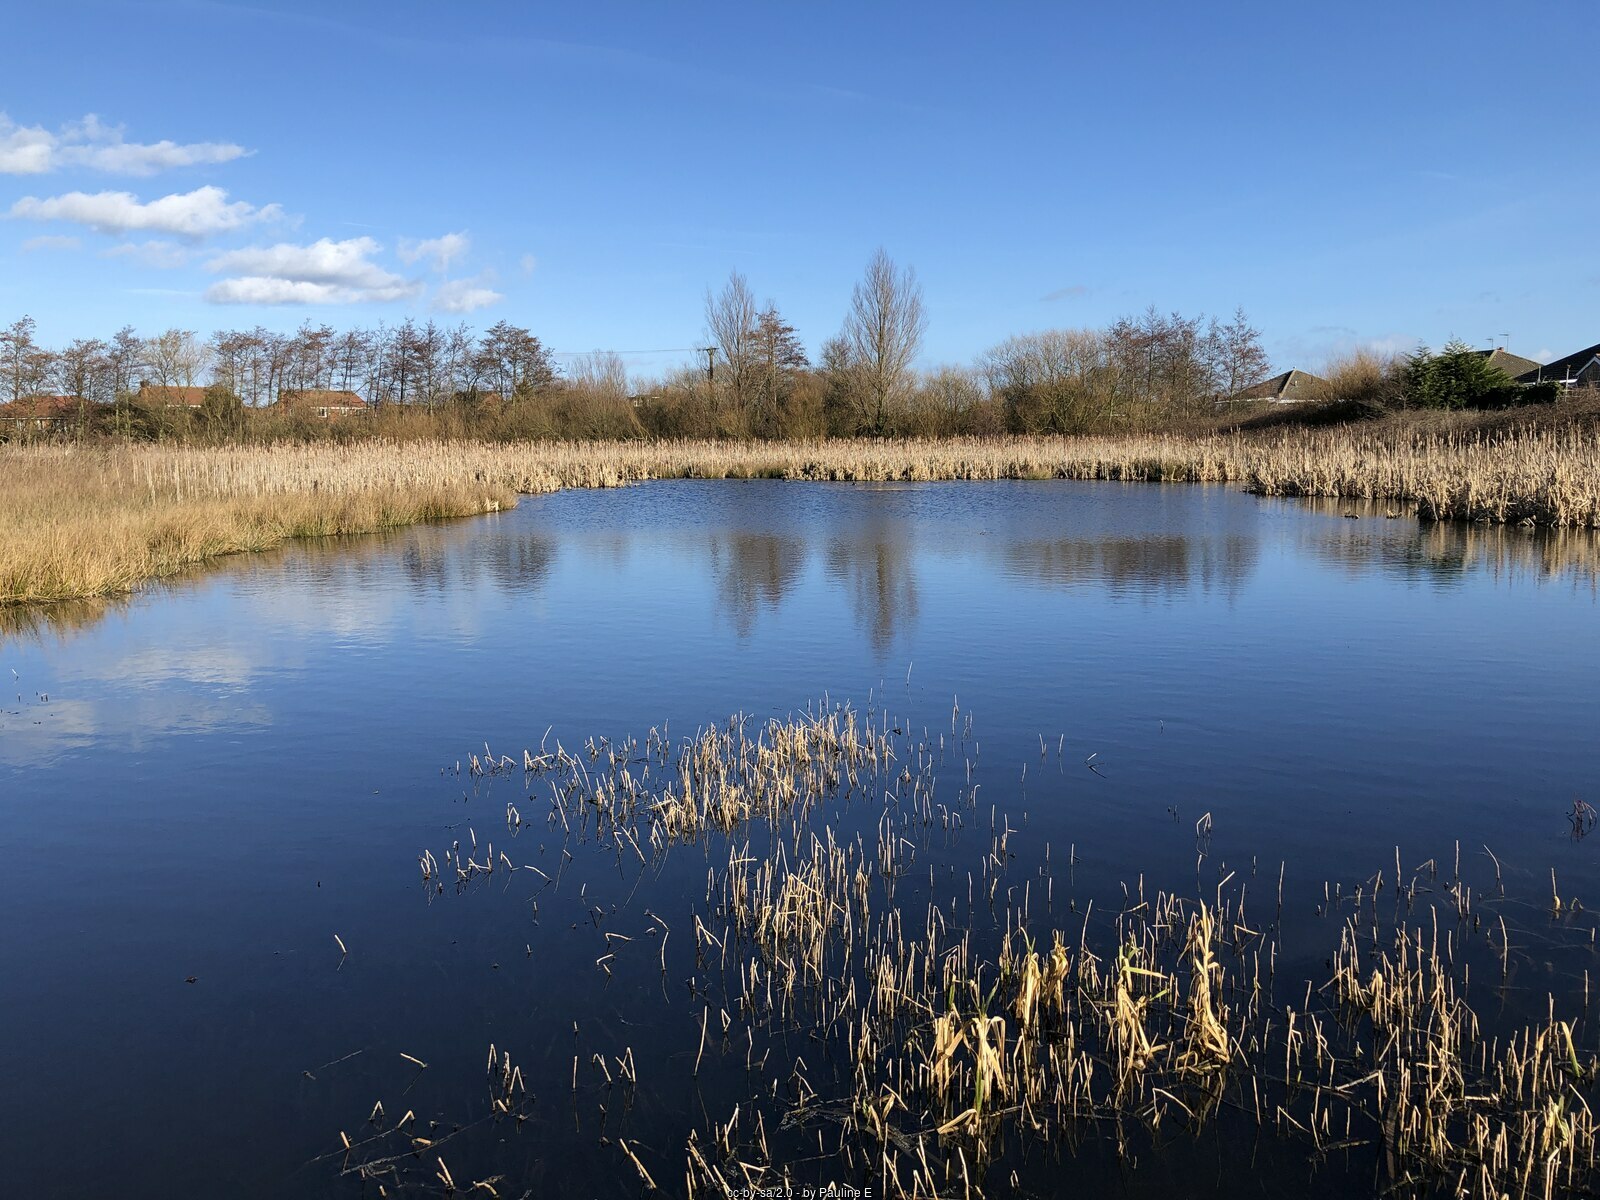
85	522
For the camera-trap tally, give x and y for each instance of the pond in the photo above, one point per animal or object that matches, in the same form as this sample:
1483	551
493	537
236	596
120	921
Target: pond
214	795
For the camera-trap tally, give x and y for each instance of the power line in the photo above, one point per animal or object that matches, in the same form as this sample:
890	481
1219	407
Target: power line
668	350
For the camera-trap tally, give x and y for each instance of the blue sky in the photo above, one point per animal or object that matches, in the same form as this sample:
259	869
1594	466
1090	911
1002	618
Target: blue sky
1377	173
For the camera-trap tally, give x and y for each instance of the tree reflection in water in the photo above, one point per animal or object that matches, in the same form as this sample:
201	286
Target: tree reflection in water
1136	566
754	571
876	568
869	551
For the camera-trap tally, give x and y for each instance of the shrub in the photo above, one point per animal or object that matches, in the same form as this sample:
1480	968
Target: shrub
1364	376
1457	377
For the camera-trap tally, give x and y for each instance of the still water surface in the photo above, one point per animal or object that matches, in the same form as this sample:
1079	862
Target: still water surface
212	780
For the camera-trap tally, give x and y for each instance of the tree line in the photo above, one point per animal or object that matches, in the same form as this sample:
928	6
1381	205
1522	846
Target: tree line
756	378
405	363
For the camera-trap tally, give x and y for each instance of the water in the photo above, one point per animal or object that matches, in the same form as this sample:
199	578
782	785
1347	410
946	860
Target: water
211	781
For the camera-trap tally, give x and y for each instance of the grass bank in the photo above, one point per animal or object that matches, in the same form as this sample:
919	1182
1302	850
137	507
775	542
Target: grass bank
81	520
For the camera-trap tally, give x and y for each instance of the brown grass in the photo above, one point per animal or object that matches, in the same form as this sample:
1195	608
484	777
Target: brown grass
79	521
1365	375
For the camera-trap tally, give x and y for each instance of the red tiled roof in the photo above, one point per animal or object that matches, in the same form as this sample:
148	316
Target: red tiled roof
172	397
40	408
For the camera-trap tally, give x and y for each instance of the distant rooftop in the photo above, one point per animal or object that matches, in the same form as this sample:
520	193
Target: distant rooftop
40	408
1513	365
1293	385
1569	367
171	397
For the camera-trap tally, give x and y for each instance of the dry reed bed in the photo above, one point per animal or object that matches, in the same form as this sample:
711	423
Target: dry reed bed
1540	477
78	521
930	1063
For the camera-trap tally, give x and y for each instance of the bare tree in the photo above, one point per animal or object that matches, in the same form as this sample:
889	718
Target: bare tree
81	371
242	362
375	364
463	369
230	359
595	401
277	357
402	357
311	357
122	358
946	399
25	364
427	351
1237	357
778	359
262	354
512	360
731	322
174	358
350	353
840	384
1160	363
882	334
1057	381
602	373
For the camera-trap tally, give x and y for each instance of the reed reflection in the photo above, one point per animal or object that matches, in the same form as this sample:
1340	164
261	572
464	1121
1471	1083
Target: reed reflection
1449	553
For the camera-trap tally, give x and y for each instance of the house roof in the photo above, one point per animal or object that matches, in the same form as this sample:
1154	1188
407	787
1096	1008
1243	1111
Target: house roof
319	398
1562	368
39	408
172	397
1513	365
1291	385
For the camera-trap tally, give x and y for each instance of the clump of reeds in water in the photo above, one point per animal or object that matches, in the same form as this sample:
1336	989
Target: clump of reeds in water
935	1055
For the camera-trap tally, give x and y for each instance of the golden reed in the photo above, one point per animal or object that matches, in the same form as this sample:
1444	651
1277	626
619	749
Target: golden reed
81	521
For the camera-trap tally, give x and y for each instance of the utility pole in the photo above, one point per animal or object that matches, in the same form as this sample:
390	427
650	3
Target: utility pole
711	362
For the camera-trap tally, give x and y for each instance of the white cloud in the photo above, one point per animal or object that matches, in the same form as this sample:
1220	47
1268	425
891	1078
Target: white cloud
51	241
24	150
35	150
195	214
529	264
324	261
153	253
439	252
466	295
324	272
257	289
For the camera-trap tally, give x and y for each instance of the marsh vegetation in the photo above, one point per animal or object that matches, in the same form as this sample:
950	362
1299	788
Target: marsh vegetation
91	520
895	983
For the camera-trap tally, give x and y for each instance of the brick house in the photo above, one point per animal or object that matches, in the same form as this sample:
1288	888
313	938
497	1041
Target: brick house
321	403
